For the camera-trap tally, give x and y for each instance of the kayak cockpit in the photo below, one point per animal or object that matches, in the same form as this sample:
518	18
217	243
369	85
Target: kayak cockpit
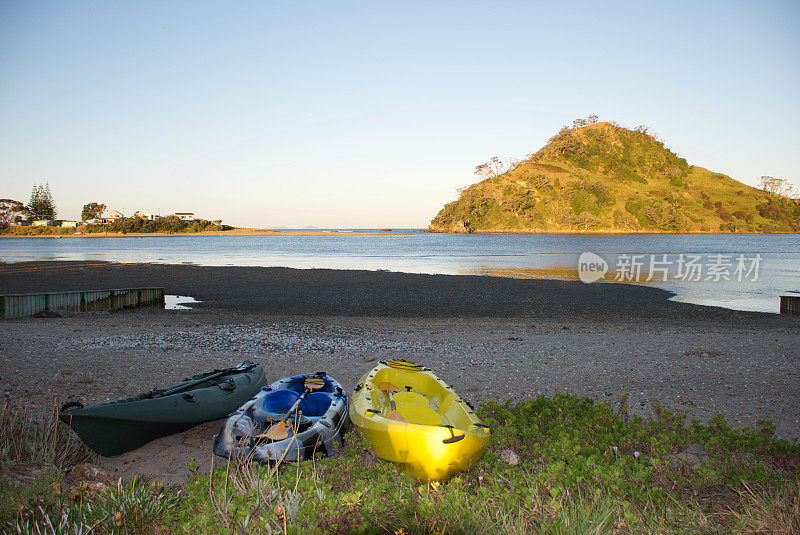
280	401
419	398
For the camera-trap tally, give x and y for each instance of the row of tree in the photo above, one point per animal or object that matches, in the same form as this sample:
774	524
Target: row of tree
778	188
40	206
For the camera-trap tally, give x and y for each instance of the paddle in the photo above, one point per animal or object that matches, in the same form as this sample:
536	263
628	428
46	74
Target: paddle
388	389
241	367
278	431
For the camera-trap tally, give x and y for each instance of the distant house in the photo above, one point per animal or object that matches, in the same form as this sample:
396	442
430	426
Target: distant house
114	215
185	216
144	215
45	223
21	223
69	224
95	221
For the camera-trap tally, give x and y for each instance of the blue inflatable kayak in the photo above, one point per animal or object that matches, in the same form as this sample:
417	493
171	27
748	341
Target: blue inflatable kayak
315	424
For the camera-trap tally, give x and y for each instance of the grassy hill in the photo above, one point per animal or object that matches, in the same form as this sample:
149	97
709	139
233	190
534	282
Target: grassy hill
605	178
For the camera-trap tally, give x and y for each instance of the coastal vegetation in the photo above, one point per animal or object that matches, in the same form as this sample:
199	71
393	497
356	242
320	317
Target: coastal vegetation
41	204
92	210
560	464
16	219
601	177
123	226
169	224
10	211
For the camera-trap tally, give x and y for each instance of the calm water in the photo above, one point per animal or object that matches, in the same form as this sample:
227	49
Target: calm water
741	271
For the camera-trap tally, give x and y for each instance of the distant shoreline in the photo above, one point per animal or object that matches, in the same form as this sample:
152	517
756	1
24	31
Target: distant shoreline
268	232
234	232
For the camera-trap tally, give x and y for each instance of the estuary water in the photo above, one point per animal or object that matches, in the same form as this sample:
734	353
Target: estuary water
738	271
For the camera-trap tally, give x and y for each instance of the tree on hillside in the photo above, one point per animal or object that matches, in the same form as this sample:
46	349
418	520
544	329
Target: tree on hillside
41	205
11	210
92	210
776	187
496	167
592	119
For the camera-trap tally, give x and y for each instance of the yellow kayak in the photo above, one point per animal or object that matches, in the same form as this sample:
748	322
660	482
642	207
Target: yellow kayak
412	418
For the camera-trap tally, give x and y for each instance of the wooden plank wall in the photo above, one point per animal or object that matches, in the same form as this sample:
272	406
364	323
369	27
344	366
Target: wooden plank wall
24	305
790	304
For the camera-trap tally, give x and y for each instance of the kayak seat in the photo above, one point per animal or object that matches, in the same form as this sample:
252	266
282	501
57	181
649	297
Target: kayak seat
414	398
315	404
280	400
297	384
414	407
419	414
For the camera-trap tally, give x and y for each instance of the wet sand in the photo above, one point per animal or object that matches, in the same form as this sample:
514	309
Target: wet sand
490	338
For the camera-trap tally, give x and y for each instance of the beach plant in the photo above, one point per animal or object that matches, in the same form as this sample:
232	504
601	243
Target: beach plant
585	467
59	523
134	507
29	504
30	435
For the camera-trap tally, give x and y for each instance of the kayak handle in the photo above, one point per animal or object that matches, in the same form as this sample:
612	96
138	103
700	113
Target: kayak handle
453	438
70	405
228	386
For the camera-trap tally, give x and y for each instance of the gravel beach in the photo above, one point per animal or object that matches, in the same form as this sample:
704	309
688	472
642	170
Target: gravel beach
490	338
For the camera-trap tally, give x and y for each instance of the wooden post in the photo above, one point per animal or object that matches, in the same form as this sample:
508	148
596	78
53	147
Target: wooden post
790	304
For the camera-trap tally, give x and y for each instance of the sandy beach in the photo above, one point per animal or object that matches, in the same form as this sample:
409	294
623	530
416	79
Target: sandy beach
489	337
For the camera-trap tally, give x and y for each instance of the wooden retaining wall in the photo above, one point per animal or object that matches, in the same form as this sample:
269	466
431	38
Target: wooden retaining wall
23	305
790	304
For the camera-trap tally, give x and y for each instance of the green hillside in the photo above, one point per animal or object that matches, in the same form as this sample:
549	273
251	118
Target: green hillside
605	178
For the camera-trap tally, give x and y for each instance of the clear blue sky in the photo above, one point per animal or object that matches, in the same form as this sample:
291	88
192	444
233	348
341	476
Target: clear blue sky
371	114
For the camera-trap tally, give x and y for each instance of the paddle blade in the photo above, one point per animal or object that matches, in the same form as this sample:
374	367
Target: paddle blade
276	432
386	387
394	415
314	382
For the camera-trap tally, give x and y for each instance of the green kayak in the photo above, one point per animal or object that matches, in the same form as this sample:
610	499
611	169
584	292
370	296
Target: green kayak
118	426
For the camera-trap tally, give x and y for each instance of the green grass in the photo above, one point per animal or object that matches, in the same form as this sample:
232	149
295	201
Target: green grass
586	467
